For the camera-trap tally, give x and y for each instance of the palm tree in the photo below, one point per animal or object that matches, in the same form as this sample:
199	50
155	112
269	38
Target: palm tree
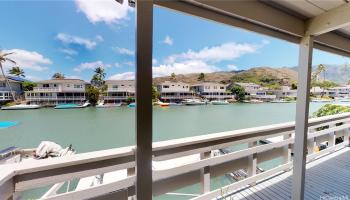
98	77
4	58
58	76
17	71
173	76
322	69
201	77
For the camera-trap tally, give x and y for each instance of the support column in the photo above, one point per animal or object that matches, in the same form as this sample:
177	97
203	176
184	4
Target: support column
205	174
144	31
302	117
252	162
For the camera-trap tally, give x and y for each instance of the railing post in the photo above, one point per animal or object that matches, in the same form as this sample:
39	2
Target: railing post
331	137
347	134
205	174
252	161
287	150
302	116
311	143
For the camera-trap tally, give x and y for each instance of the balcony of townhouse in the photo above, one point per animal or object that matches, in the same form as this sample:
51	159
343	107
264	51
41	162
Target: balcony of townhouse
219	95
47	89
180	95
55	98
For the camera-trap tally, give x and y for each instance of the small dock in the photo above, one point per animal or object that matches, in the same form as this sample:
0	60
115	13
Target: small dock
326	178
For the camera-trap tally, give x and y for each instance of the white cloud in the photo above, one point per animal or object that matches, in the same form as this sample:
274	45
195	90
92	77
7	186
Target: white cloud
73	77
108	11
71	39
232	67
186	67
118	65
91	66
33	78
226	51
99	38
168	40
30	60
68	51
130	63
124	51
154	61
123	76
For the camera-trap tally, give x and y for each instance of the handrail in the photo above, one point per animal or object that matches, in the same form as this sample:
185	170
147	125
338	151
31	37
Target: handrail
26	176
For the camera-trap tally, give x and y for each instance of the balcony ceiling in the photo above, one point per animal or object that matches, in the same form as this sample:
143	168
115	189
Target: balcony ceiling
283	19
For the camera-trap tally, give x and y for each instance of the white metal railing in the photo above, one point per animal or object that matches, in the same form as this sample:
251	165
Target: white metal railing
47	89
82	98
16	178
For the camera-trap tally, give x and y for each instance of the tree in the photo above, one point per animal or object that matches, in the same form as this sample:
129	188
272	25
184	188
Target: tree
98	79
28	86
239	93
173	76
201	77
294	86
92	94
155	93
17	71
4	58
58	76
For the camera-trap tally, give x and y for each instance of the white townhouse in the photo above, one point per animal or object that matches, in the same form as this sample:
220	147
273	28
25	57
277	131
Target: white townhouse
174	91
119	91
285	92
57	91
340	91
250	88
212	91
255	91
5	91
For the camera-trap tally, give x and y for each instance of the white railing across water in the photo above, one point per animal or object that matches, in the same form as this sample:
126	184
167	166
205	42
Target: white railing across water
16	178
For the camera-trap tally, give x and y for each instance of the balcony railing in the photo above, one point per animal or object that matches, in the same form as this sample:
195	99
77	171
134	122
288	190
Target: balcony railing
30	98
16	178
47	89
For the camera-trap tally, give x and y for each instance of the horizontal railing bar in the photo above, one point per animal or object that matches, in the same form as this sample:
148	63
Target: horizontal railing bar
180	152
327	131
47	177
234	186
96	190
161	174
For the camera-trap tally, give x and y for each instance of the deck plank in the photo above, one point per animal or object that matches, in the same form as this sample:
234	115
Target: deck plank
328	175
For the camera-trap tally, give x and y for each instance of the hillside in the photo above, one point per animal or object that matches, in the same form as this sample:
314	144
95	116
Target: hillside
256	75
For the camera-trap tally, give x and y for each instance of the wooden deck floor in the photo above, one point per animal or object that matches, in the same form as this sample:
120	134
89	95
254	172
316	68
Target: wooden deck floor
327	178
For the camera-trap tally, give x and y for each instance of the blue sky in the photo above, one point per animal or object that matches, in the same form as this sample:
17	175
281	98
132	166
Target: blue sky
74	37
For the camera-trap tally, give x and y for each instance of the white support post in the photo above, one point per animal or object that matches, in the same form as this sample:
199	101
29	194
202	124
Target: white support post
144	34
331	137
287	150
205	174
252	162
302	117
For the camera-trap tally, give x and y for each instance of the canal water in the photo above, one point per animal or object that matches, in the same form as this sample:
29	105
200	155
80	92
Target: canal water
91	129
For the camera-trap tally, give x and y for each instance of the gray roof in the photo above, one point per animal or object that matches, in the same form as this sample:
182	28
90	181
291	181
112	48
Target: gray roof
78	81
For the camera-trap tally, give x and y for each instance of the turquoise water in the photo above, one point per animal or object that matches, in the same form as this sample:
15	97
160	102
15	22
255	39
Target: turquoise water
91	129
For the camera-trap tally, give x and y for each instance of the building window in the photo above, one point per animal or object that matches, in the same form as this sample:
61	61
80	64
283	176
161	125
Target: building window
115	86
68	85
222	88
78	86
46	85
165	86
2	84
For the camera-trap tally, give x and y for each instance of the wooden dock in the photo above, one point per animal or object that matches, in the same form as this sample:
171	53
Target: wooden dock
326	178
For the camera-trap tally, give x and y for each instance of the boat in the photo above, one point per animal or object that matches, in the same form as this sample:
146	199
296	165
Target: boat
162	104
281	101
256	101
218	102
175	104
7	124
71	106
132	105
192	102
21	107
108	105
318	100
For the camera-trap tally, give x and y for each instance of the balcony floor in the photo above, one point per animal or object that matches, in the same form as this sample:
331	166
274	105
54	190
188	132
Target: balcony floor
326	178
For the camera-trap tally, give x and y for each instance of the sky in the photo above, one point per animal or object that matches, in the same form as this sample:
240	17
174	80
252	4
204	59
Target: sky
74	37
